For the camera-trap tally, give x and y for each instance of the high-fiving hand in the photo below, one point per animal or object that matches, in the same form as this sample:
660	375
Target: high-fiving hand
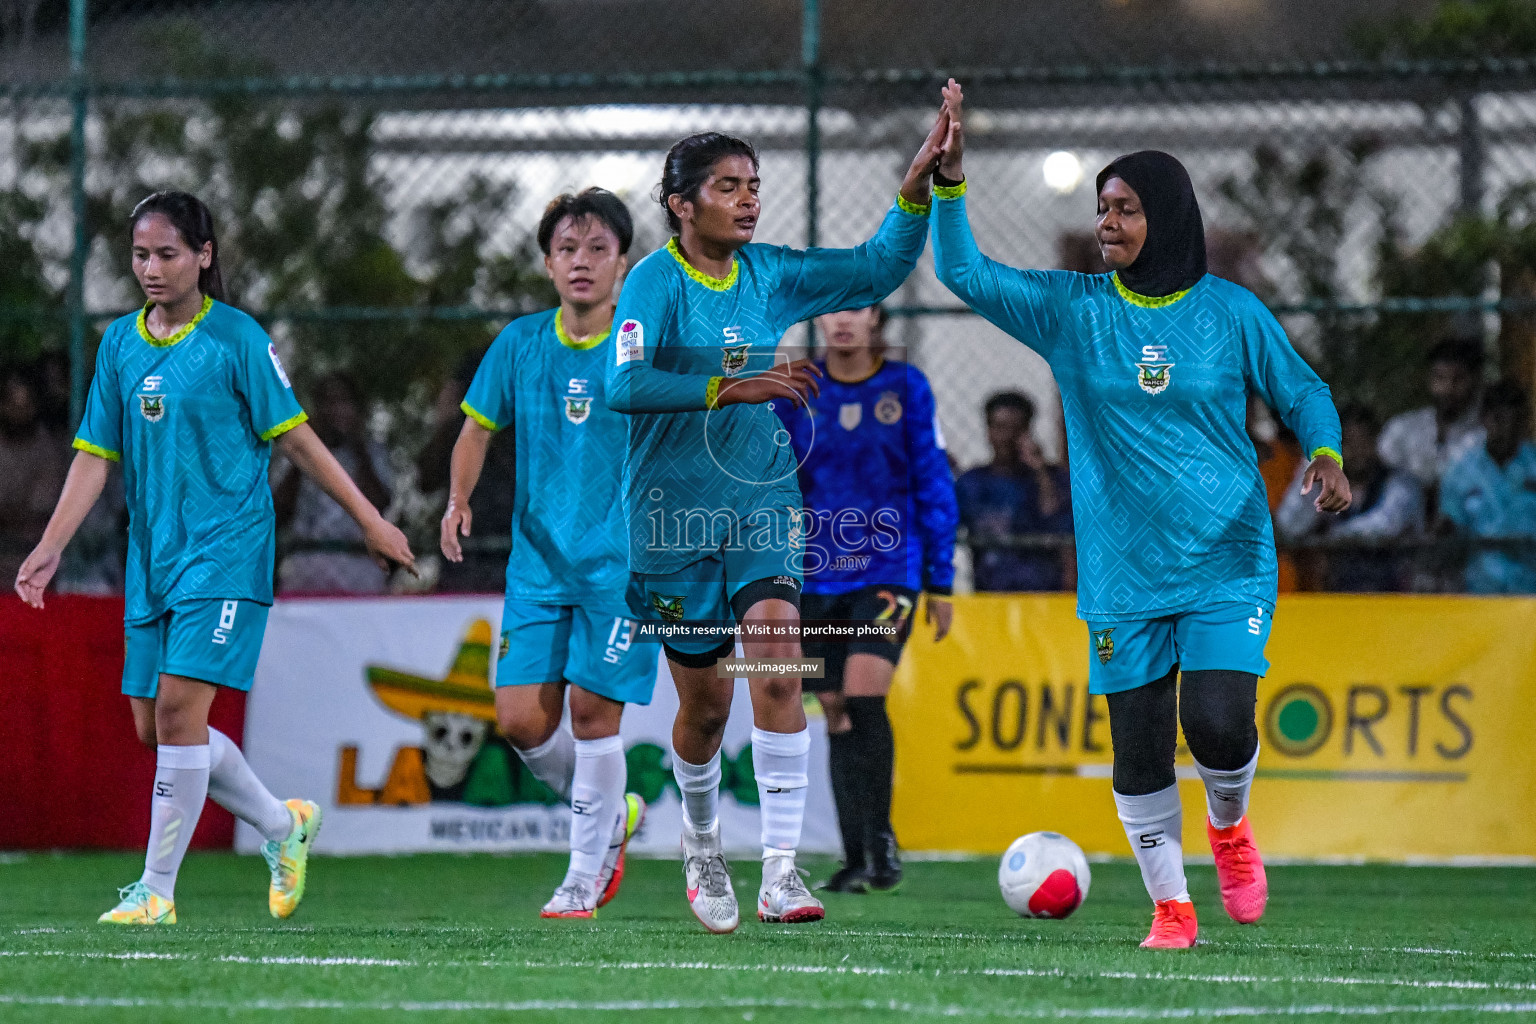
954	140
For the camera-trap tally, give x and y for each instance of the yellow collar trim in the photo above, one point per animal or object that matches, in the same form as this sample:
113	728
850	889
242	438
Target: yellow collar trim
186	329
1147	301
579	344
718	284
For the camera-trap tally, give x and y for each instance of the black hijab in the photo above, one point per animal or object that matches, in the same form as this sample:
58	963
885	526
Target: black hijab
1173	256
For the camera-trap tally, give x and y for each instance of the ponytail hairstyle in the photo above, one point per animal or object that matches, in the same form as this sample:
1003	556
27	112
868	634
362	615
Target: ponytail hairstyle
689	163
194	224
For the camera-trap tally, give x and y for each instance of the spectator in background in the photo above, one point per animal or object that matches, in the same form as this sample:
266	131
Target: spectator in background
484	568
313	520
1387	504
33	463
1490	494
1018	493
1426	441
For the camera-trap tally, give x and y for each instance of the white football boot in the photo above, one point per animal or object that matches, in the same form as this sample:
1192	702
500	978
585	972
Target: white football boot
784	899
709	881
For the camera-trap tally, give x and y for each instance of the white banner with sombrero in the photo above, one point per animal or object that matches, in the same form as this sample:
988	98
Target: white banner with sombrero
381	710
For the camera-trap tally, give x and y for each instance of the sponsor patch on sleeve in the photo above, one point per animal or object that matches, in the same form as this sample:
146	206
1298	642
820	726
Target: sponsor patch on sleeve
277	364
630	347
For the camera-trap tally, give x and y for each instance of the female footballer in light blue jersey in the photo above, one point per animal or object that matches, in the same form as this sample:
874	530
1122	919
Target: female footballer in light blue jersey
190	396
710	493
564	625
1175	549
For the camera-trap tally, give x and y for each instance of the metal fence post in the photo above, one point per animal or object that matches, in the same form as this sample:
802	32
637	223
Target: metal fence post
75	300
810	65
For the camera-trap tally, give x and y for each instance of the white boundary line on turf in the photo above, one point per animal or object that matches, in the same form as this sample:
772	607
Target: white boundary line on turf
859	933
819	969
892	1006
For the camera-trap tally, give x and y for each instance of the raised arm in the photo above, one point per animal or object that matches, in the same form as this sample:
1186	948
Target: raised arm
817	281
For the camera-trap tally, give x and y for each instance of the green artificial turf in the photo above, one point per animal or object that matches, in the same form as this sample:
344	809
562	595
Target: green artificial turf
447	938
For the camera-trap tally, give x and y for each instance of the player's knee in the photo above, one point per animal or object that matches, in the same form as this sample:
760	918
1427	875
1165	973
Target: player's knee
594	717
146	731
779	690
1216	710
524	731
705	720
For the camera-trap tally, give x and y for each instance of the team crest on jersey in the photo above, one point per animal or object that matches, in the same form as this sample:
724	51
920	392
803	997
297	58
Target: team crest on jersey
152	407
578	409
1104	644
506	643
669	608
888	409
1152	373
850	415
733	358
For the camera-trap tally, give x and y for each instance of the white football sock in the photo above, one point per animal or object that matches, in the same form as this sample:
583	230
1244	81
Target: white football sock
781	763
1226	793
233	786
699	785
1154	824
553	761
181	786
597	799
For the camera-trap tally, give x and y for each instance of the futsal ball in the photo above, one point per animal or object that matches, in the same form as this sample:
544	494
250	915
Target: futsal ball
1043	874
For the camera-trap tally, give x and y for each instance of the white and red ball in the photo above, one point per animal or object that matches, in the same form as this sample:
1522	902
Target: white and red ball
1043	874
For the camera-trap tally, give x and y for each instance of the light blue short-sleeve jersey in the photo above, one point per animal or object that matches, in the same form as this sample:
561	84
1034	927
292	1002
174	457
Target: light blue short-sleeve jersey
192	418
1170	510
567	524
696	478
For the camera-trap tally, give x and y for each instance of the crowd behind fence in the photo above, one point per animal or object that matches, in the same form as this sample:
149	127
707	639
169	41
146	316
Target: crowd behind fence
377	193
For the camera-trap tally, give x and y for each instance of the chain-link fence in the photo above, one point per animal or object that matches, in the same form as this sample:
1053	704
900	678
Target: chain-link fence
378	169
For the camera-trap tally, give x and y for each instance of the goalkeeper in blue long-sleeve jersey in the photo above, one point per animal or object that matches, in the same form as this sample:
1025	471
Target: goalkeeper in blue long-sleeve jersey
1176	558
880	505
711	500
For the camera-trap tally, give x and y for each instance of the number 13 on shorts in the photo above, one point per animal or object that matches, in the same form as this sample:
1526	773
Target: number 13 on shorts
619	639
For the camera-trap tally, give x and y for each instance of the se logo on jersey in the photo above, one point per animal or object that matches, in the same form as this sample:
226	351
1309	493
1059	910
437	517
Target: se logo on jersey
578	404
733	357
630	347
1153	370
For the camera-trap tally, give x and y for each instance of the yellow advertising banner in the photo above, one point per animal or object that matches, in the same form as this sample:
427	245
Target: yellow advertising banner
1390	728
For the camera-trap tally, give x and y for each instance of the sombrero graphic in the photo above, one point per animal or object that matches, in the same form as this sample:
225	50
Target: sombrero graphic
465	689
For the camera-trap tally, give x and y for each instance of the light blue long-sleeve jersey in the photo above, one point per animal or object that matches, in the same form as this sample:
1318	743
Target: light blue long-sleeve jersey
1170	509
696	479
